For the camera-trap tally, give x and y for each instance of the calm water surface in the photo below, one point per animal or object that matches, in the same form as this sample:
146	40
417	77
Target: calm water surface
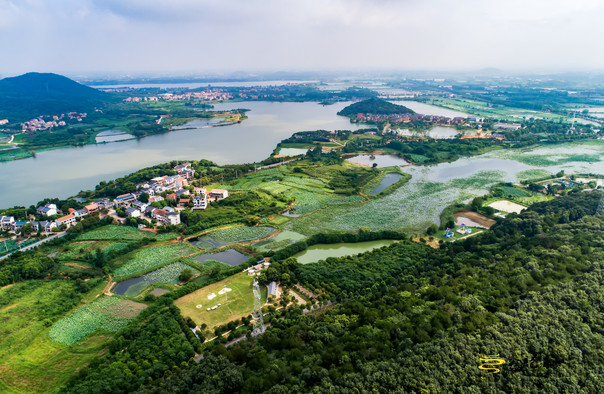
323	251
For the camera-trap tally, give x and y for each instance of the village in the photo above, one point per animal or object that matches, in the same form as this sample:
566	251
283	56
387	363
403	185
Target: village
175	188
208	95
39	124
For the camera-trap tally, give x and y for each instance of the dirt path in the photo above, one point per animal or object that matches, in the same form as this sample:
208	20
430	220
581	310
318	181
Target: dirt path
110	284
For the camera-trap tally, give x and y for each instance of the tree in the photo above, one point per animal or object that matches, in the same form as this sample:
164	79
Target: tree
185	275
432	229
27	229
144	197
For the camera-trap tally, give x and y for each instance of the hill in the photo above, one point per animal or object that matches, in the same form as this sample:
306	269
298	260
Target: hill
33	94
374	106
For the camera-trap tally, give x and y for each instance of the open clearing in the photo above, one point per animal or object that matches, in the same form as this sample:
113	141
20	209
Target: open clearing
507	206
473	219
240	301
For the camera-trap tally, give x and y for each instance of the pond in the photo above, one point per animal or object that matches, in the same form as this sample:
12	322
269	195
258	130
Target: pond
380	160
112	136
168	274
390	179
231	257
322	251
292	151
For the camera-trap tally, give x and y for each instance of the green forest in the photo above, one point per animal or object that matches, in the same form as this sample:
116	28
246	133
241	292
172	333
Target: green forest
404	318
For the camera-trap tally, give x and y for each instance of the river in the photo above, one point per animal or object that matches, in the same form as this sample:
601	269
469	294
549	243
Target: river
64	172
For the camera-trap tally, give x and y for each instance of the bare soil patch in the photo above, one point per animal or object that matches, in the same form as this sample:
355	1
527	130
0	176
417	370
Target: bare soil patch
473	219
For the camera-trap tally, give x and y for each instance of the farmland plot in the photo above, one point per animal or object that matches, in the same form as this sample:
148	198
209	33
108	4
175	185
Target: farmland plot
107	313
232	235
121	233
147	259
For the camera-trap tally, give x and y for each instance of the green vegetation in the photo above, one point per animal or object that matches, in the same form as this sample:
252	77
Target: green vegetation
29	360
107	313
234	304
405	308
122	233
232	235
374	106
148	259
281	240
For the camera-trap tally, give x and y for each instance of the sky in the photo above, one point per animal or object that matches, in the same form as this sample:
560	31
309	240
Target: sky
216	36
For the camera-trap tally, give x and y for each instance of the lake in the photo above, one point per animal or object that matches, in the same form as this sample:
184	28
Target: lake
231	257
64	172
322	251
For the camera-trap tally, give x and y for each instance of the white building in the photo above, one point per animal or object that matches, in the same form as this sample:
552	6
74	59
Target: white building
47	210
200	202
7	222
172	219
133	212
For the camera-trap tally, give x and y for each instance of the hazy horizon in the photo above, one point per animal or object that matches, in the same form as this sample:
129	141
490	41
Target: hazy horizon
138	37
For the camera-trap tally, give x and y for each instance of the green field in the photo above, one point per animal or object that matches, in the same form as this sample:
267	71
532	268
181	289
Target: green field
240	301
232	235
106	313
147	259
515	192
165	275
122	233
78	249
279	241
29	360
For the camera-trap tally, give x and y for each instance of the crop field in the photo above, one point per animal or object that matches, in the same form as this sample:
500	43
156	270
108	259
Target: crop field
412	207
515	192
507	206
29	360
240	301
122	233
279	241
232	235
168	274
146	259
107	313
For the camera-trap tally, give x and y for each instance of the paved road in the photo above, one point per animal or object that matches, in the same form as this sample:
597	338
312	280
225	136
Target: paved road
36	244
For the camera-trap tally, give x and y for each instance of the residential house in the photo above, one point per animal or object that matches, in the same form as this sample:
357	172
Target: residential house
168	209
91	208
182	192
219	194
155	198
124	200
35	225
182	167
133	212
172	218
172	196
141	206
183	202
68	220
81	213
200	191
47	210
149	211
104	203
7	222
200	202
19	225
47	226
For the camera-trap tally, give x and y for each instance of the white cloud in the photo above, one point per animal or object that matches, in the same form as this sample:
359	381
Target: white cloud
202	35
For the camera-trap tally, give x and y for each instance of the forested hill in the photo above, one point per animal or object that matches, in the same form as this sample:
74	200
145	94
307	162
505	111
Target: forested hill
374	106
408	318
34	94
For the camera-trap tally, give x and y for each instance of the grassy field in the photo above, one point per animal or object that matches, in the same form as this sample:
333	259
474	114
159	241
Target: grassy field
240	301
29	360
107	314
147	259
165	275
